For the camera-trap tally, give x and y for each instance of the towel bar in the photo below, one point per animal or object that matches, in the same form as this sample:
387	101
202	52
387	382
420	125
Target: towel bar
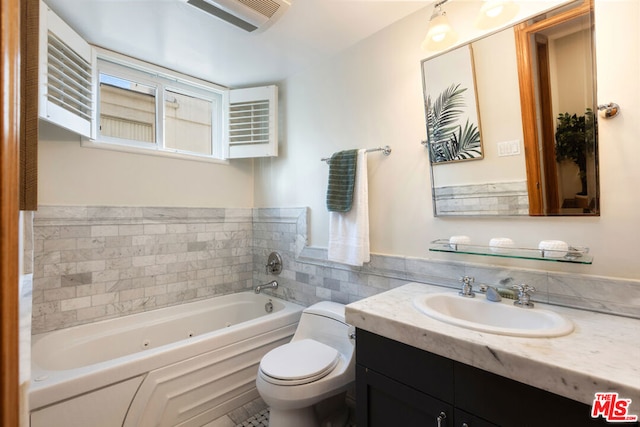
386	150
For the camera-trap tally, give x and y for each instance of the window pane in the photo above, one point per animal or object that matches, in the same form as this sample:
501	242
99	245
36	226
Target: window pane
187	123
127	109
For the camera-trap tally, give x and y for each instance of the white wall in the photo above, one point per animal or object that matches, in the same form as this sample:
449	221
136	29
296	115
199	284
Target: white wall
69	174
371	95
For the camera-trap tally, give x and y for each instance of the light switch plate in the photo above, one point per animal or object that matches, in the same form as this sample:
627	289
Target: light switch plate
508	148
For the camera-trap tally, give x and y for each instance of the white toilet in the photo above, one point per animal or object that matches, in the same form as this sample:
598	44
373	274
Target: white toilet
305	381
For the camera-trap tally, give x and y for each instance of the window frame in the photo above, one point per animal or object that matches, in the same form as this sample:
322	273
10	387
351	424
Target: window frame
162	80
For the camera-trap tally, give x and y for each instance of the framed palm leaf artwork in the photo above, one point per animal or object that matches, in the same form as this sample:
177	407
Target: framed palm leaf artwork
451	107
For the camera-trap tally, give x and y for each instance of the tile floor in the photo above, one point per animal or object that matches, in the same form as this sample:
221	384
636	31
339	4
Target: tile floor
255	414
261	419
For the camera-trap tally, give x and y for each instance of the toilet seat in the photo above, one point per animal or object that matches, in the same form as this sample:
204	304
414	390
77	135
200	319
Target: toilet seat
298	362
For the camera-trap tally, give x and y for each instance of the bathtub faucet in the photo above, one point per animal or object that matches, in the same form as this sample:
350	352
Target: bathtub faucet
271	285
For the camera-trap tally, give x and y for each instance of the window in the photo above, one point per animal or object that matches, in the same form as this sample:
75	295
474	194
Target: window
127	109
188	122
122	103
144	108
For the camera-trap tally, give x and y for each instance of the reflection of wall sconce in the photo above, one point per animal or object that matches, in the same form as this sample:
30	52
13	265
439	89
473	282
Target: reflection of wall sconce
496	12
609	111
440	35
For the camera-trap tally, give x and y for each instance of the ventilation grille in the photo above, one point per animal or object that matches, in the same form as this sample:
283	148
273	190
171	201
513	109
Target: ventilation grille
68	79
264	7
249	122
250	15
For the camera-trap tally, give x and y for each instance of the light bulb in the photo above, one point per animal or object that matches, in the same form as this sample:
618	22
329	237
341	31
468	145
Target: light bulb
496	12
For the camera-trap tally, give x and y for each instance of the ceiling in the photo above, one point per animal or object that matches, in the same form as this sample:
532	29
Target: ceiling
176	35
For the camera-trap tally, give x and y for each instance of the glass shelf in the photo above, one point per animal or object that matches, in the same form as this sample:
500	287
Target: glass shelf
576	255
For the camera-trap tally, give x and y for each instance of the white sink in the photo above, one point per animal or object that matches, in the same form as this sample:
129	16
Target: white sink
502	318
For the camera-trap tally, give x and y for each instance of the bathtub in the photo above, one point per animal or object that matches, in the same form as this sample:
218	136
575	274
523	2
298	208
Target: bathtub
182	365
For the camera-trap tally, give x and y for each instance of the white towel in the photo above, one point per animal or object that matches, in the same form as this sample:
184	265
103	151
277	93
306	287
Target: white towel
349	231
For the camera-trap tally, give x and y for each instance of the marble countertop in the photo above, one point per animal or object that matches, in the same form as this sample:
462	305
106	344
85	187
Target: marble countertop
601	354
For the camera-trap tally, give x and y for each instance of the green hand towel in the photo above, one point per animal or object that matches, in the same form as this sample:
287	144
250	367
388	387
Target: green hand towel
342	178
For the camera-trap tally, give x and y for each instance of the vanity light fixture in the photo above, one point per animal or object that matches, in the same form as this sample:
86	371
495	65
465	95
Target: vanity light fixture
496	12
440	35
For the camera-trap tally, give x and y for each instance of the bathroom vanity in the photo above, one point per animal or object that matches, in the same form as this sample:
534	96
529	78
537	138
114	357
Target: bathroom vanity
415	370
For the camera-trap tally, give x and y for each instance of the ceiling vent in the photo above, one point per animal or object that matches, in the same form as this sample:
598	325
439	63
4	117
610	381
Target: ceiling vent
250	15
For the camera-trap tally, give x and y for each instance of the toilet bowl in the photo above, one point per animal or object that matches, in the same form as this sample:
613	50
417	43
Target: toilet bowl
305	381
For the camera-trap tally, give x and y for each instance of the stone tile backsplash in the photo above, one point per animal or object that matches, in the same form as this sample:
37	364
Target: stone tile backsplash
502	198
93	263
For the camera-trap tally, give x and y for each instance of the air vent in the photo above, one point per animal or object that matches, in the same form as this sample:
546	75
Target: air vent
250	15
267	8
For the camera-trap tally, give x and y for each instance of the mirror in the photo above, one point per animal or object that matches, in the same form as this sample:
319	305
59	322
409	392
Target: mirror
533	86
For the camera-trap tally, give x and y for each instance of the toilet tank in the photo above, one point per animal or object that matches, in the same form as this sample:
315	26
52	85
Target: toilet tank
325	322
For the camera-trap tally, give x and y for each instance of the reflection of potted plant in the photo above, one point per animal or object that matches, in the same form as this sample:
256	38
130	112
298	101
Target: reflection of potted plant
575	140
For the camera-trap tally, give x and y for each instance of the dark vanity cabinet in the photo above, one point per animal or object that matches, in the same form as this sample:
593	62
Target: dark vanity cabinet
400	385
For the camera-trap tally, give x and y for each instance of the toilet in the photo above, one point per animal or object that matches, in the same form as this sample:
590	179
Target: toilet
305	381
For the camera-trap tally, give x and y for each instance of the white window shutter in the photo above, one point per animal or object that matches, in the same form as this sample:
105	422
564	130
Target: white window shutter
66	95
252	118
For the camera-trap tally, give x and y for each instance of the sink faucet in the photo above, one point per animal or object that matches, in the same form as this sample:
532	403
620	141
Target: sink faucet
491	293
271	285
467	287
524	296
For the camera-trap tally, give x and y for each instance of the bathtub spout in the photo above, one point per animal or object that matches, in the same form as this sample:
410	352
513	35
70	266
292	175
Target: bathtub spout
271	285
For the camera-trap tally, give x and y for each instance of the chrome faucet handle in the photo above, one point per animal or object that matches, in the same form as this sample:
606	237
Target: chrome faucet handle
467	287
524	295
274	264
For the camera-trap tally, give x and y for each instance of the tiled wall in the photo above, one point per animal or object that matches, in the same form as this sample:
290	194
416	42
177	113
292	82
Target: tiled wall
93	263
309	277
25	301
502	198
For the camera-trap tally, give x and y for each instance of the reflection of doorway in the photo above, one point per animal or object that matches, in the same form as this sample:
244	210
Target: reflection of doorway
548	162
555	82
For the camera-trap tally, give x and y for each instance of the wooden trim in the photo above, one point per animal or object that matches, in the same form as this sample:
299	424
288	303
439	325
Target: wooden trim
30	18
523	33
529	128
549	168
9	210
575	12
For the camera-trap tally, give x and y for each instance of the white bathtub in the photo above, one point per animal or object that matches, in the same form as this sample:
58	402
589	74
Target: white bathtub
183	365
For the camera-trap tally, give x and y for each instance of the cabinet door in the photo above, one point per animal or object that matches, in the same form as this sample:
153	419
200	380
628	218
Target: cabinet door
383	402
421	370
464	419
510	403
